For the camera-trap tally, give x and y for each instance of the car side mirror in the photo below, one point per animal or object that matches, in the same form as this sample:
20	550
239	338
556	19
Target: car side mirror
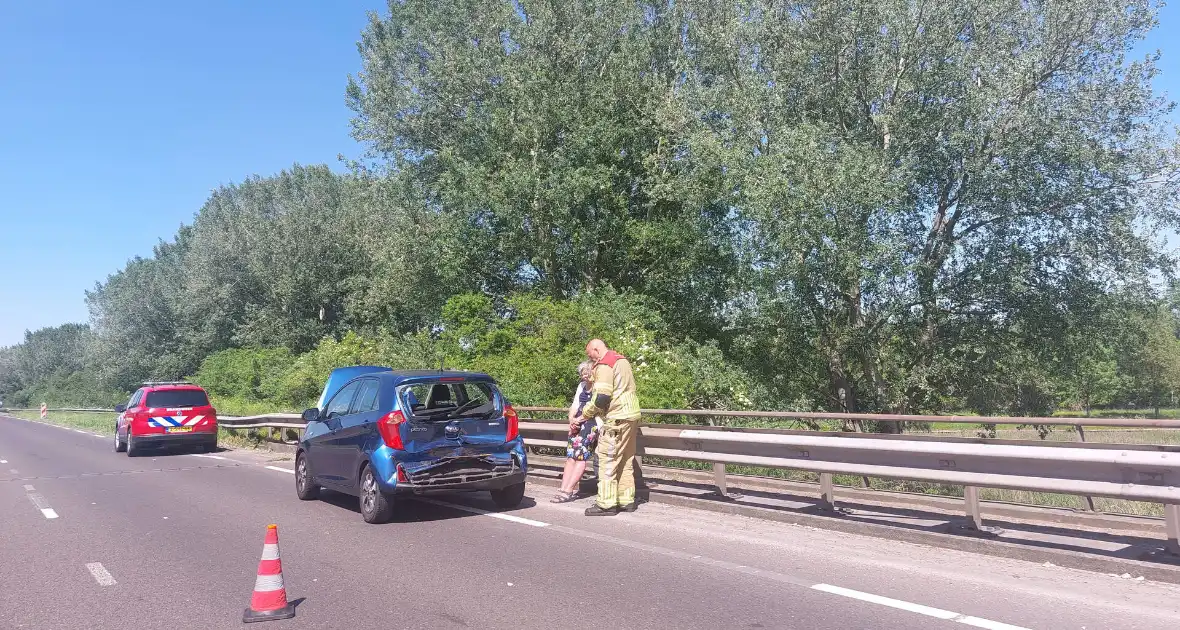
120	408
311	415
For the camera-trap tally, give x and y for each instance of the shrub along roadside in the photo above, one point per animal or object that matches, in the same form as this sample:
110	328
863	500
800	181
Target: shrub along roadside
530	344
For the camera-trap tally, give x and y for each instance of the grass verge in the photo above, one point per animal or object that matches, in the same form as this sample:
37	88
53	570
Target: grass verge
104	423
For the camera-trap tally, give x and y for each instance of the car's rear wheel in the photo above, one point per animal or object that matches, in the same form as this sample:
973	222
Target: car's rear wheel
305	488
376	506
510	497
120	445
131	447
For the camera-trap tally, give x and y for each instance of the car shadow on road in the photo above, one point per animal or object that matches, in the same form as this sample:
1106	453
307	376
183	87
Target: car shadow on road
409	510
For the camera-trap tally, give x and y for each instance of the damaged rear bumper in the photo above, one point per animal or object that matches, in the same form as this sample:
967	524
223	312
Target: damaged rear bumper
462	474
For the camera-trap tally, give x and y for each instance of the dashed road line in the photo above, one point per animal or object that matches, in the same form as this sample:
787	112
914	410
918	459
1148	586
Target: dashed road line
929	611
39	502
3	461
937	613
101	575
206	456
286	470
474	510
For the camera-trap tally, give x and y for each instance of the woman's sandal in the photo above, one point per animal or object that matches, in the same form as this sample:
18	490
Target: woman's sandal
564	497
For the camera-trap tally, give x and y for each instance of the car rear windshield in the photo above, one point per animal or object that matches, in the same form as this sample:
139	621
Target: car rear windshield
177	398
439	400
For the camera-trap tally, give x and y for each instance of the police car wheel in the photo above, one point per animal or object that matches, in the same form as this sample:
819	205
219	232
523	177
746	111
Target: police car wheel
132	450
120	445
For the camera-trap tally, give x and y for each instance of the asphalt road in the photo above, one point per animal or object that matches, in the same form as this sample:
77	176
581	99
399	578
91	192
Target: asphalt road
95	540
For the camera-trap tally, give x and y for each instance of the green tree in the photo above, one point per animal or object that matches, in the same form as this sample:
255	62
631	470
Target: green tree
549	129
1155	362
915	172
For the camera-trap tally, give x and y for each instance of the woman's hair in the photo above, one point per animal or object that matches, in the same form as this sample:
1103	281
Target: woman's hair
585	366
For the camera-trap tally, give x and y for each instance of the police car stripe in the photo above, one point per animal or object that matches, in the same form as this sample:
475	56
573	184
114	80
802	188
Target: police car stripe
193	421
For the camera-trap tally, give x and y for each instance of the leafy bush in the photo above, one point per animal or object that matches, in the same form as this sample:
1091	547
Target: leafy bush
244	373
75	389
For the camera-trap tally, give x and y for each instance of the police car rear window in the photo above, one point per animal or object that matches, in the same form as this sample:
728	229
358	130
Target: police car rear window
177	398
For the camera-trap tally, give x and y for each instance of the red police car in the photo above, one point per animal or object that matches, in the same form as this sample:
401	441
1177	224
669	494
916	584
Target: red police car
166	414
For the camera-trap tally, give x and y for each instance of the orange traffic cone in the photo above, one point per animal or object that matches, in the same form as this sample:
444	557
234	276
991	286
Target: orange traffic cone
270	598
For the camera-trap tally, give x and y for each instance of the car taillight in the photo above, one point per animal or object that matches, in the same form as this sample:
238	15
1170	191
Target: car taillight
401	475
513	422
389	427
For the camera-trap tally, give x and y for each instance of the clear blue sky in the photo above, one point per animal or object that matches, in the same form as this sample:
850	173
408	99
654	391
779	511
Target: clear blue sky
117	119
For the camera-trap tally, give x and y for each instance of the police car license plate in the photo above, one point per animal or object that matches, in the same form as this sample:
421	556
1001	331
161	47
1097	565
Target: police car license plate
178	430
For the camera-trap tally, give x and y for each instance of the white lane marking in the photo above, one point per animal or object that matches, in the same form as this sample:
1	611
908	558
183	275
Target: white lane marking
14	471
937	613
79	431
286	470
39	502
473	510
101	575
207	456
3	461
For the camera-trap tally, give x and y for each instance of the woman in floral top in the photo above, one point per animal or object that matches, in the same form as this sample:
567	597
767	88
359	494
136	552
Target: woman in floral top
580	445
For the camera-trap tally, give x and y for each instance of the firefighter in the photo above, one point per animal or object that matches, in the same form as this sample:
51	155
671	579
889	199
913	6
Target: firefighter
614	401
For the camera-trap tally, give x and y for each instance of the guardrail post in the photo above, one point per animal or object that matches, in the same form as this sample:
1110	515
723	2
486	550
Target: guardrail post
719	478
827	491
1082	435
971	498
1172	523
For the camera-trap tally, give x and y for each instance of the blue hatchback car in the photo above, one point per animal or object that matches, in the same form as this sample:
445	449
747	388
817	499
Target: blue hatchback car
379	433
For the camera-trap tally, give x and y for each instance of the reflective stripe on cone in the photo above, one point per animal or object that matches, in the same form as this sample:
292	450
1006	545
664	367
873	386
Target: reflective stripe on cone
269	600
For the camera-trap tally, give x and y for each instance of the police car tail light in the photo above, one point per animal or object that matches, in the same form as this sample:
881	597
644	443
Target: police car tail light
513	422
389	426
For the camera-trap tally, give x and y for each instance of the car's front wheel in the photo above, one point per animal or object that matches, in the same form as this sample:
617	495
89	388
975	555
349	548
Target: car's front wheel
376	506
510	497
305	487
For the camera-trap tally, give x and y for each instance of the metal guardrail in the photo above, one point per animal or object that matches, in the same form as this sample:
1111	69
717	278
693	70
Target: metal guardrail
1133	472
1152	423
274	420
1139	472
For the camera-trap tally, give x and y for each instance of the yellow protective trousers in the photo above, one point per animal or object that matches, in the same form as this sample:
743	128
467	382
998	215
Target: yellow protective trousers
616	452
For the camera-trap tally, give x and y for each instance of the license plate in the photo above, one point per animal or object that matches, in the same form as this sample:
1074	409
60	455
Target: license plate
178	430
